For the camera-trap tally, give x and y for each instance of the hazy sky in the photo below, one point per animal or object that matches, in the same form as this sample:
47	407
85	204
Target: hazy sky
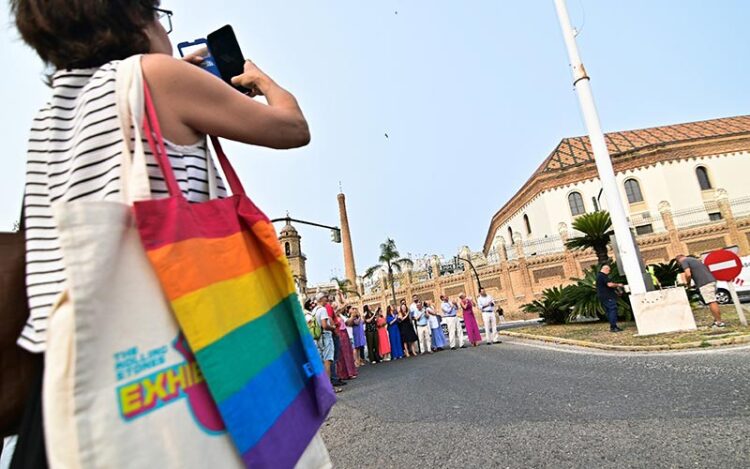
472	94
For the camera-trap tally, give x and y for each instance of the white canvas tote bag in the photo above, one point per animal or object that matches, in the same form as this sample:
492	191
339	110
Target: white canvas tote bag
121	388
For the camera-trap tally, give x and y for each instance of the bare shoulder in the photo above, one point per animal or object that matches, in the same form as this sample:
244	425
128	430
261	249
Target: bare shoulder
162	69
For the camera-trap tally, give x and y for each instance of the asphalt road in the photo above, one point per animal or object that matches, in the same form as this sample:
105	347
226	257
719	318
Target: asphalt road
514	405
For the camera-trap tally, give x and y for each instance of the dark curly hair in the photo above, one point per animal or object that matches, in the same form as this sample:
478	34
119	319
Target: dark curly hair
84	33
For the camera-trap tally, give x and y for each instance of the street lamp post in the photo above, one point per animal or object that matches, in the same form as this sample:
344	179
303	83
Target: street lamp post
335	230
458	258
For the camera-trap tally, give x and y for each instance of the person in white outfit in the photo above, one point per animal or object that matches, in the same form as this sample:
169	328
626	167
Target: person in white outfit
487	305
450	316
421	316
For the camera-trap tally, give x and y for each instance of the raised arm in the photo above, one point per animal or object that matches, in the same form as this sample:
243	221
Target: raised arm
185	94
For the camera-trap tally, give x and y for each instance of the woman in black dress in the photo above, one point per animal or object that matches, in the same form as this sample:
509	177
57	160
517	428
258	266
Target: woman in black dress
408	334
371	334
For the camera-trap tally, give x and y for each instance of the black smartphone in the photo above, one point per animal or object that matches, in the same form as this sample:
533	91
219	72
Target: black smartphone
227	54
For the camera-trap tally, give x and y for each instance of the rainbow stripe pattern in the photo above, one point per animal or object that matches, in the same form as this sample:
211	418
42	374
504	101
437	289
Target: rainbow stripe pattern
222	268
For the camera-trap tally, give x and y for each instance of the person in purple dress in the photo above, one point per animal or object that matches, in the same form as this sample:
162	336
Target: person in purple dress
358	334
394	333
470	321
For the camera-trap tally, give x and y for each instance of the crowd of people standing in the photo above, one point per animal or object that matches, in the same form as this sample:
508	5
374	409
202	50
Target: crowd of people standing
348	338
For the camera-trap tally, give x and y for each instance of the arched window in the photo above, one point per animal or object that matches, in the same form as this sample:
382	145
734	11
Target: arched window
510	234
633	191
287	249
576	204
526	222
703	179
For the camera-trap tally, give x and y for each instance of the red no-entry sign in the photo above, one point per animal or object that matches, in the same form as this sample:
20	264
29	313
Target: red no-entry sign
724	265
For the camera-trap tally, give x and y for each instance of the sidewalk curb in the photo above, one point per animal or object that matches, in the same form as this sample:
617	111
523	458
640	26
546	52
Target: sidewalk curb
743	339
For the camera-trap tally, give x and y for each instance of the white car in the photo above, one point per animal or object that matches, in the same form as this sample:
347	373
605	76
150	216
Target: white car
741	285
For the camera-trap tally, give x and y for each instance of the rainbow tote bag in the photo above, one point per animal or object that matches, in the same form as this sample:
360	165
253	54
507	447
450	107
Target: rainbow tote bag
223	271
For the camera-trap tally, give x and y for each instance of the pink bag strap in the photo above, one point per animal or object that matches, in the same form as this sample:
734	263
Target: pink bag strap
152	130
232	179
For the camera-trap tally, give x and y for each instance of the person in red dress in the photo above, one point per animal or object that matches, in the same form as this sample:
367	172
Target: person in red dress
384	344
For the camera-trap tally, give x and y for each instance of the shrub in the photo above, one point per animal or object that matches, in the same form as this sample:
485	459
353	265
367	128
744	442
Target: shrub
551	307
667	273
561	305
582	298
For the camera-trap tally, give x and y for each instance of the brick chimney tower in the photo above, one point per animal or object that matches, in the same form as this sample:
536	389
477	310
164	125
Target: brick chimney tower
346	239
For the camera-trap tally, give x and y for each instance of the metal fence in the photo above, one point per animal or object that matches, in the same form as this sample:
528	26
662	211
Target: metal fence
696	216
543	246
645	223
740	207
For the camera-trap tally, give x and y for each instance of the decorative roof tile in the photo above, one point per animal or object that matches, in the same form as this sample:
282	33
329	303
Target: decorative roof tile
573	159
574	151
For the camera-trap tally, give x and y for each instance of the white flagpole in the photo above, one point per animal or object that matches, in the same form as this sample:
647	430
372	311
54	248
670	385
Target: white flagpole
625	241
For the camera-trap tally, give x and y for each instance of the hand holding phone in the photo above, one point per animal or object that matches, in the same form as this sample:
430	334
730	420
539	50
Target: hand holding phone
228	56
252	79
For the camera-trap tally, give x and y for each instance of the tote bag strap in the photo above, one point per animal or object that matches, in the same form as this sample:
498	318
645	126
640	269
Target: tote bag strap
226	166
213	185
156	143
129	97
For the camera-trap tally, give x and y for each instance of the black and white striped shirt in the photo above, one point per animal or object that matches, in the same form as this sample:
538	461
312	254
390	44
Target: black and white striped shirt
74	154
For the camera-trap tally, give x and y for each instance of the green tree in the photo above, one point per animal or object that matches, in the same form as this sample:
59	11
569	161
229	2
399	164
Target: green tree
345	286
390	261
596	228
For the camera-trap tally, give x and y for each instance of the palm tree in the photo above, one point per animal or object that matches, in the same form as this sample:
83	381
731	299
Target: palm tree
596	228
344	286
390	261
667	273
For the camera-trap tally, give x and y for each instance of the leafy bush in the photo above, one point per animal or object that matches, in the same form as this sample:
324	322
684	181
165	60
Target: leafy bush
667	273
561	305
552	306
582	298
